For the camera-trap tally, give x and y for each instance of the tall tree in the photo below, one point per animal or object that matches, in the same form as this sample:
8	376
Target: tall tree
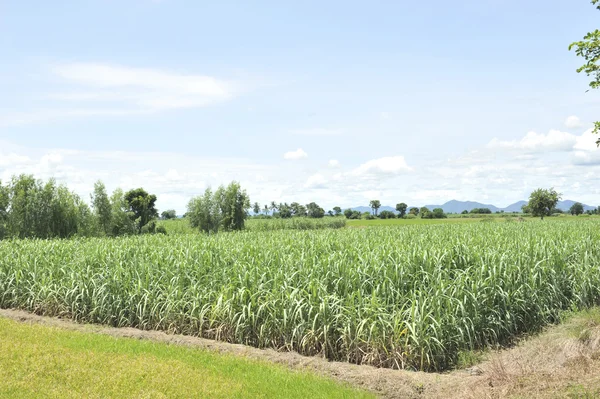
375	205
273	206
314	211
102	208
401	208
414	211
266	209
256	208
123	221
589	50
576	209
337	210
234	203
541	202
142	205
169	214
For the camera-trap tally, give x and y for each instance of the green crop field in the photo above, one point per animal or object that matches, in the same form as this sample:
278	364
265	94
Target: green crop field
413	296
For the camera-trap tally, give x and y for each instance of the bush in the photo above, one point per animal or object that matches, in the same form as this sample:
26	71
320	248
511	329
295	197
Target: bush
410	216
161	230
387	215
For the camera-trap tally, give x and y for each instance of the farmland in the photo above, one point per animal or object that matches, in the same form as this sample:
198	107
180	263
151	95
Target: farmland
411	297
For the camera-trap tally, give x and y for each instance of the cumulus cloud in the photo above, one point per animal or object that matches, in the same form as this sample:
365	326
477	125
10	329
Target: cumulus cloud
554	140
573	122
334	163
586	142
383	166
295	155
316	181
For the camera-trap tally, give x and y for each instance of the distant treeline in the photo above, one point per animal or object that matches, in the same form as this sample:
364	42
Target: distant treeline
32	208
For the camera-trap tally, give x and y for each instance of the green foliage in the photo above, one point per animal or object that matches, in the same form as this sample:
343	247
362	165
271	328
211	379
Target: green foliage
387	215
142	205
314	211
375	205
102	208
576	209
225	209
337	210
589	50
541	202
350	295
438	213
169	214
481	211
204	212
401	209
32	208
122	218
414	211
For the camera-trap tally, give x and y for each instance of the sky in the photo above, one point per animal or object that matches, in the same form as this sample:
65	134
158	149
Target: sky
336	102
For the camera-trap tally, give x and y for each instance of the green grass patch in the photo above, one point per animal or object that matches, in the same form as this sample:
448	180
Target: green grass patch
40	361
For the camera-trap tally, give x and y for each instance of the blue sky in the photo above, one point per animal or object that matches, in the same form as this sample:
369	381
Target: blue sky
334	102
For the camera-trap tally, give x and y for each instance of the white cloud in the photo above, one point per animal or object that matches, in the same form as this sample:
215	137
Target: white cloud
317	132
385	165
555	140
141	87
586	142
573	122
334	163
12	159
316	181
295	155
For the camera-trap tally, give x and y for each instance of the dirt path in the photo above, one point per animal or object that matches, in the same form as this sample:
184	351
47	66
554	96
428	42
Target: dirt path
550	365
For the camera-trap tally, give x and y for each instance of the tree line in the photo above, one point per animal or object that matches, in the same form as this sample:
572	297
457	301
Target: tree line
32	208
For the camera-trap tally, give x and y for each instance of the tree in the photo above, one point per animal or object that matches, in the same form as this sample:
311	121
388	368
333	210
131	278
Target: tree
401	208
266	209
438	213
4	204
142	205
414	211
284	211
589	50
273	206
348	213
387	215
465	212
424	211
541	202
330	212
102	208
337	210
314	211
123	221
169	214
203	213
375	205
233	202
576	209
256	208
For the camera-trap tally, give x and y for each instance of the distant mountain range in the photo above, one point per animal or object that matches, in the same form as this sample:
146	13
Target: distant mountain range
455	206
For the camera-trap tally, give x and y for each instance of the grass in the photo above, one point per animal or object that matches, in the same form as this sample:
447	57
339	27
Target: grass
402	297
41	361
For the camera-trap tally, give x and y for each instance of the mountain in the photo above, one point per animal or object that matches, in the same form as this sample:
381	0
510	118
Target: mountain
516	207
567	204
455	206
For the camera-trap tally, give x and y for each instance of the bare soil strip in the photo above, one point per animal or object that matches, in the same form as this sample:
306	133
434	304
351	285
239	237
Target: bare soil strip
562	361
